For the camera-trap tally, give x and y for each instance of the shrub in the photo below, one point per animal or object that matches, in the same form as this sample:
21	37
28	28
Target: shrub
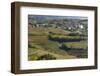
32	57
62	38
46	57
77	34
74	34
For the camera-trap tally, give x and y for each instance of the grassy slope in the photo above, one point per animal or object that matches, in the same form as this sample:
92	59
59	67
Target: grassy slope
40	45
81	44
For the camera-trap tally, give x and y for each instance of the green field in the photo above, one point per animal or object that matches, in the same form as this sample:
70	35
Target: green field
75	45
55	43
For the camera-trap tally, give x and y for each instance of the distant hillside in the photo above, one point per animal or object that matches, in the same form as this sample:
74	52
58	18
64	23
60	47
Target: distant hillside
45	17
63	22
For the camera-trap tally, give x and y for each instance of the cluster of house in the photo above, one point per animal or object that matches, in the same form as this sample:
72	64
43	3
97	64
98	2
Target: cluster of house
63	26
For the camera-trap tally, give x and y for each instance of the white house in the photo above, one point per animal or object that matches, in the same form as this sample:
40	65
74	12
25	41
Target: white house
81	26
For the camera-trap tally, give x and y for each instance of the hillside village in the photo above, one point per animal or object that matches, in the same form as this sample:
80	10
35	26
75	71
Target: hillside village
66	24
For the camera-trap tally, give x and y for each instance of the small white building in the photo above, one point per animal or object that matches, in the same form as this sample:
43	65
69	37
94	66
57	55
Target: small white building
81	26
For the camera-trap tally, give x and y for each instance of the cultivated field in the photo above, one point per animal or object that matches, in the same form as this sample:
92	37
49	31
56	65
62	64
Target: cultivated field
55	43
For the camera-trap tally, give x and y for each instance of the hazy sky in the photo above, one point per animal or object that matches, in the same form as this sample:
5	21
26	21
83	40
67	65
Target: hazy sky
55	17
